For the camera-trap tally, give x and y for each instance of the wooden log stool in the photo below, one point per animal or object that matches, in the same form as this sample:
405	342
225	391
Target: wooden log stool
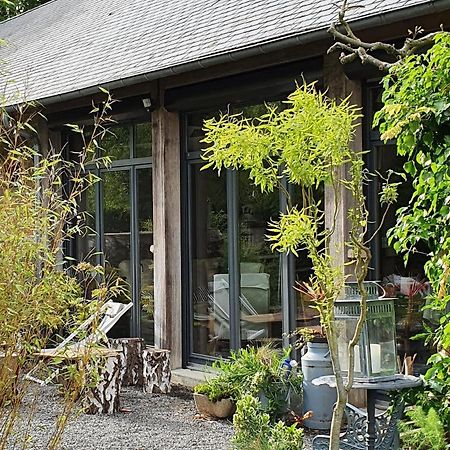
105	363
130	351
156	370
104	397
143	365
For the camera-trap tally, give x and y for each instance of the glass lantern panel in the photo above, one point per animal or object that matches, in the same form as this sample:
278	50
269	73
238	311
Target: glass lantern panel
345	330
381	333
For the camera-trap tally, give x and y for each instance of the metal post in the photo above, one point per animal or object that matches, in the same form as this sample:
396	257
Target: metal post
135	257
288	304
372	188
99	232
233	259
371	429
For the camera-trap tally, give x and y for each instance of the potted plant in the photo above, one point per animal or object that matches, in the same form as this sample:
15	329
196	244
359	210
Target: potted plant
264	372
215	398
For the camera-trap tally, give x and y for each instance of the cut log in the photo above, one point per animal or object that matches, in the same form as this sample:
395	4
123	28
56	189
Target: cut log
131	351
105	396
156	370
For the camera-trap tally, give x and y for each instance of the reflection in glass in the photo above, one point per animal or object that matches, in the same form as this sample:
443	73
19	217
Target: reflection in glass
116	223
116	143
143	140
211	326
407	285
307	314
145	224
259	266
86	241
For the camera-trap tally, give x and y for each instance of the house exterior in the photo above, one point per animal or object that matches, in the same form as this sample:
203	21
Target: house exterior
180	236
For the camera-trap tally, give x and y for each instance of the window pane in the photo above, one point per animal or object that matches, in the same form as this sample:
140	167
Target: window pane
116	219
260	267
406	284
143	140
307	315
86	241
116	143
209	263
195	131
145	214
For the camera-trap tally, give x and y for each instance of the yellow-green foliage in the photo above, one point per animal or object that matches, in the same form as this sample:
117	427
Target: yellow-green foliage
302	142
32	289
40	295
307	144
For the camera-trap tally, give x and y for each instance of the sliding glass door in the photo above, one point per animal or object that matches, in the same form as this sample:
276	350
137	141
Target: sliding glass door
120	217
237	292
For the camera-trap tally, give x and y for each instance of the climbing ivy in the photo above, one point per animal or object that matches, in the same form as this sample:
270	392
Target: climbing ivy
416	113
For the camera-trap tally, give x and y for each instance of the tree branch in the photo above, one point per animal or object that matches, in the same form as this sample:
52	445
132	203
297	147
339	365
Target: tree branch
354	48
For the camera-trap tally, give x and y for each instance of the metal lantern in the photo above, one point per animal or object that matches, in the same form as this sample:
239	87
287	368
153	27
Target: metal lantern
375	353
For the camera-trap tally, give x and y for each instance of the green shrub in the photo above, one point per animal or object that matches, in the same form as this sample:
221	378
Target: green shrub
217	389
254	430
434	393
423	430
258	371
41	297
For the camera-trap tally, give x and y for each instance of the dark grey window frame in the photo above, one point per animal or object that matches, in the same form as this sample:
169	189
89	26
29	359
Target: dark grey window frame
288	296
132	165
372	141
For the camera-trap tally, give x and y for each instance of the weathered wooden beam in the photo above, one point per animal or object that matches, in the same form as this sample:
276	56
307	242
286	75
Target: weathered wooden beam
340	87
167	232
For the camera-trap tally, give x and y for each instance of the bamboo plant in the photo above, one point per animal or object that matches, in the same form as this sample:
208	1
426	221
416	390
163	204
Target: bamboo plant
40	294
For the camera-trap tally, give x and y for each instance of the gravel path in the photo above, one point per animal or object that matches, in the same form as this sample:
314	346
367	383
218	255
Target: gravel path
155	422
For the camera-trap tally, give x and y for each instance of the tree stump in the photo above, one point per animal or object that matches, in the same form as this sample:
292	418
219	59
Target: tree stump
131	351
105	396
156	370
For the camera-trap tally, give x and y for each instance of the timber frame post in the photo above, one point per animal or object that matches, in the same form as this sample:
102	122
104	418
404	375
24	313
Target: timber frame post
167	232
340	87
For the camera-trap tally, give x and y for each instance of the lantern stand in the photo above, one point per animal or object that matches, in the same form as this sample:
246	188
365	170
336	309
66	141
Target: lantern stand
375	369
361	431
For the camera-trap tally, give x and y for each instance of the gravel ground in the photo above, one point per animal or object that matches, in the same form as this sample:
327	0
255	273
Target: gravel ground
154	422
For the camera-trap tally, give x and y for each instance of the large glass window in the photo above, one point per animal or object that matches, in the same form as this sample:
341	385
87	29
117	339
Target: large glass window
120	221
260	268
117	234
145	253
407	284
228	270
209	263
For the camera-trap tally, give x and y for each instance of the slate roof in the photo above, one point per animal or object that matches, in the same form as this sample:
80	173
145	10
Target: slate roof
69	45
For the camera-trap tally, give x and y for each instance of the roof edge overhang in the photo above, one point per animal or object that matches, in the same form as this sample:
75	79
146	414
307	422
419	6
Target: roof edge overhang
434	7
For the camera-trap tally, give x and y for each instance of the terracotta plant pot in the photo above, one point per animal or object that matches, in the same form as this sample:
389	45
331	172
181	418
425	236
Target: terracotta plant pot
221	409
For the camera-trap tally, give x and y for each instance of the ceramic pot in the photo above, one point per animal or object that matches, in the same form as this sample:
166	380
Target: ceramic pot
221	409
